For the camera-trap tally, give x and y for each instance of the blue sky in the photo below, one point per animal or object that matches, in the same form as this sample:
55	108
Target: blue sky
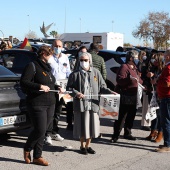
18	16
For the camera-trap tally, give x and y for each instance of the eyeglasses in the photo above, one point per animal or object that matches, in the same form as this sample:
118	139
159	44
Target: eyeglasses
86	60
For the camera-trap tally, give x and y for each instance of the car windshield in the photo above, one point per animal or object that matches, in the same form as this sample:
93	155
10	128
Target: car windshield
123	59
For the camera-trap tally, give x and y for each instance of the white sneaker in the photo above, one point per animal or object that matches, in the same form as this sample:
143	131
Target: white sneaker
47	140
57	137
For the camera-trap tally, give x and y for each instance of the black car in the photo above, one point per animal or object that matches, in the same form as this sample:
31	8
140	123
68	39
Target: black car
113	60
13	113
16	59
34	45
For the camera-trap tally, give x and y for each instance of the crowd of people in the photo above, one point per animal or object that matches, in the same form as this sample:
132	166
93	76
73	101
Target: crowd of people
86	80
5	45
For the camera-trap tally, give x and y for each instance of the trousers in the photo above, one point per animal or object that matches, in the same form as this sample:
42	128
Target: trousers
126	117
40	117
165	120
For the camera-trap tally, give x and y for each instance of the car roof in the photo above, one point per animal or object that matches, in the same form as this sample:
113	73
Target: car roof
112	52
16	50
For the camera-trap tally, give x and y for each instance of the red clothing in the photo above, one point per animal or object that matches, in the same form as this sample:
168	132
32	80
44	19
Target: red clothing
162	86
127	85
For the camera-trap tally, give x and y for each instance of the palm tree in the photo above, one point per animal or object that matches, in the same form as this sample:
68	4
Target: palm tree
54	34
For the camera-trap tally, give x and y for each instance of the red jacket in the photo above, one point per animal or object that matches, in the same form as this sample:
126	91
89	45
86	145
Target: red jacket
163	85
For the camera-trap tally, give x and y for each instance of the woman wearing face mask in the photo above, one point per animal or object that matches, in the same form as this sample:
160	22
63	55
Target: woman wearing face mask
136	61
142	61
86	83
155	68
127	79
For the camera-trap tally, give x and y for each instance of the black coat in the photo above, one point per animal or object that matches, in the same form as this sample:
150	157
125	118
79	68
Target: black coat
32	80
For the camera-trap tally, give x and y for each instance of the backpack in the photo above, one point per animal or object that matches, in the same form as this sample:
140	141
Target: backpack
24	89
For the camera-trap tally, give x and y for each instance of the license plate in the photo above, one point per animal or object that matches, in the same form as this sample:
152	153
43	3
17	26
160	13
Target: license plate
10	120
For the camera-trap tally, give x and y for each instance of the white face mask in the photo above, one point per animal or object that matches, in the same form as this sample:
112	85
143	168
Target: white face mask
84	65
57	50
144	57
152	60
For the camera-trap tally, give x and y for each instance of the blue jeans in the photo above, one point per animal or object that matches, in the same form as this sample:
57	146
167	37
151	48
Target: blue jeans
156	123
165	120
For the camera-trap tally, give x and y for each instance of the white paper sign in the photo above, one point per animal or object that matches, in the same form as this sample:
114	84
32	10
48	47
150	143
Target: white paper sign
67	98
153	106
139	96
63	84
109	106
153	102
151	114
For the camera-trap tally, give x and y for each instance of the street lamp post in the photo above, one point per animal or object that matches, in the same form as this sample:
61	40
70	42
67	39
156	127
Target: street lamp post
28	22
112	25
80	25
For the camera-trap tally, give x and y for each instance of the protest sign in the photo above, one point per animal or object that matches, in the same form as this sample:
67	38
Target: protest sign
153	106
109	106
63	84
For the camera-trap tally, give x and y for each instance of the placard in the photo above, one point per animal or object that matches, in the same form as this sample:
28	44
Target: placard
109	106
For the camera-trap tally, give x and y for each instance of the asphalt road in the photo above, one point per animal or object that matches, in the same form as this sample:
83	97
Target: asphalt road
131	155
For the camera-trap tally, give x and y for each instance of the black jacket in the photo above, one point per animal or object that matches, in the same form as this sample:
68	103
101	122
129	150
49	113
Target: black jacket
32	80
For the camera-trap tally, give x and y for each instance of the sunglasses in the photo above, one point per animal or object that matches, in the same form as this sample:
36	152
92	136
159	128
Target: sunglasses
86	60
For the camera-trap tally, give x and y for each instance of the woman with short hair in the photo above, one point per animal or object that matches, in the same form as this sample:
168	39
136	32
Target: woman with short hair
38	80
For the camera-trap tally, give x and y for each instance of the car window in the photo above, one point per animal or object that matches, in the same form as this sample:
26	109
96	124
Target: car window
7	60
21	61
17	60
123	59
5	72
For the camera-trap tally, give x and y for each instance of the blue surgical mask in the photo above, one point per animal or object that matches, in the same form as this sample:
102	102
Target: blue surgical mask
57	50
136	61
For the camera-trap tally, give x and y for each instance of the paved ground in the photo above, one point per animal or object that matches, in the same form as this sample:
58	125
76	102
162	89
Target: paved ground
131	155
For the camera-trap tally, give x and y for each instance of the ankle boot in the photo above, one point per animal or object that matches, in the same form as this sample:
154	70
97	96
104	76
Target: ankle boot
159	137
27	157
152	135
40	161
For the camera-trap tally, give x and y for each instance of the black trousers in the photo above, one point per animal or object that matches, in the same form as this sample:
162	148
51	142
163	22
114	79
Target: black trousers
40	116
127	115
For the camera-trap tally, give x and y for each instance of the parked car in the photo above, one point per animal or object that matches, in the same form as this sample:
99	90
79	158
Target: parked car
16	59
13	113
35	45
113	60
147	49
131	48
